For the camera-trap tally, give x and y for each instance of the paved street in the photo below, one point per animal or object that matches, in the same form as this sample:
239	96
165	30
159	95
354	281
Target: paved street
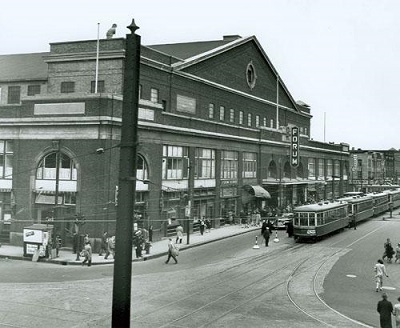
224	283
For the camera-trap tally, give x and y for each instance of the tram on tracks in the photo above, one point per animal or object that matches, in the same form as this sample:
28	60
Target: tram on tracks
360	208
314	221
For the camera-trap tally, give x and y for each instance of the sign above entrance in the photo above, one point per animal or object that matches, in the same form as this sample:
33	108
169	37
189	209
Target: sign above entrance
294	147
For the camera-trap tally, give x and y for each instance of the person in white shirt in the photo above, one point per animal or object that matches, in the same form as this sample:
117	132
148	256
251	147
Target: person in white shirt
380	271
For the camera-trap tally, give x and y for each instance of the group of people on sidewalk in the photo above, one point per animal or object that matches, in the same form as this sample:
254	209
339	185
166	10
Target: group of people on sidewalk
107	247
385	308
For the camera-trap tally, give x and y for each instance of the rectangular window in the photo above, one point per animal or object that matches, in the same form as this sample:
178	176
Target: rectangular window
265	122
204	164
229	164
185	104
241	117
222	113
249	119
154	95
100	86
249	165
175	162
33	89
329	168
311	168
140	91
271	123
67	87
14	95
336	168
257	121
232	115
210	110
321	169
6	159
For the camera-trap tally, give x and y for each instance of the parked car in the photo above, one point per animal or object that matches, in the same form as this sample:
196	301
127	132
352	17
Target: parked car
282	221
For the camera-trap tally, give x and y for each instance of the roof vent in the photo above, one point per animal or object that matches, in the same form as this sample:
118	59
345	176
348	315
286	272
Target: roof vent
231	37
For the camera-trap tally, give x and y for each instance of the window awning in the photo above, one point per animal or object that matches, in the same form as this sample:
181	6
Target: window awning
257	191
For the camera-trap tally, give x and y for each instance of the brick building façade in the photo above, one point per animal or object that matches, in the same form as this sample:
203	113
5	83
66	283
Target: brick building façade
215	123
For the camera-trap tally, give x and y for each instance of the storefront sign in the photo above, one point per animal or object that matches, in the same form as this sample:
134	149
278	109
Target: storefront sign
294	147
33	236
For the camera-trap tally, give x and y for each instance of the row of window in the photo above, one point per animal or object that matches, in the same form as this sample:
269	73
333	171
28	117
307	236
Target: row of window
188	105
329	166
14	91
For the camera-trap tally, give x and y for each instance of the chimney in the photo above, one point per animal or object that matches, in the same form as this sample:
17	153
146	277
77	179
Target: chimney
230	38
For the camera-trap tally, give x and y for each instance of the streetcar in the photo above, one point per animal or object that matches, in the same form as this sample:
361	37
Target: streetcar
394	197
359	208
314	221
381	202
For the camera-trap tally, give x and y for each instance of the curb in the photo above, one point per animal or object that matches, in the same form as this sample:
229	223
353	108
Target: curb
144	258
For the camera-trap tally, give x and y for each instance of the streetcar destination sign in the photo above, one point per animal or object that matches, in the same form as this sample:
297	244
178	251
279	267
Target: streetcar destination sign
294	147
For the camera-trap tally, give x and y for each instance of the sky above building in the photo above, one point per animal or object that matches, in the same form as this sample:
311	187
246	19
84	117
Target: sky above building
340	57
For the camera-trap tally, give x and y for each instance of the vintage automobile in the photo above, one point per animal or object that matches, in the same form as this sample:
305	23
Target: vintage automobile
282	221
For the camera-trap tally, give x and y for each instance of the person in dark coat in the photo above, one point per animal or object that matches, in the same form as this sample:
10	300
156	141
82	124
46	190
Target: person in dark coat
266	235
263	227
385	310
289	229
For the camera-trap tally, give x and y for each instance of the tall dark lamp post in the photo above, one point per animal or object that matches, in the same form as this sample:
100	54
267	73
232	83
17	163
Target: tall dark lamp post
121	301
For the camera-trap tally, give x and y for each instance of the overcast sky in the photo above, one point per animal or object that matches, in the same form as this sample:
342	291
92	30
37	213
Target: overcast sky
341	57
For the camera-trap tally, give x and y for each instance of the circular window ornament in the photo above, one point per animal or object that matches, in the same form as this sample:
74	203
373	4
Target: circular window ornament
251	76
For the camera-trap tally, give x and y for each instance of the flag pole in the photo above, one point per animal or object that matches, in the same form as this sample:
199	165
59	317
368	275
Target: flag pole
97	59
277	102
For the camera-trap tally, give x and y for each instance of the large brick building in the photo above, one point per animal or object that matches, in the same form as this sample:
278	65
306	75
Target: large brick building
215	124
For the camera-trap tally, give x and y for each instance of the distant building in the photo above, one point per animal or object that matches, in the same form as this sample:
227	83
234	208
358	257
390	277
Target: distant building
219	135
374	170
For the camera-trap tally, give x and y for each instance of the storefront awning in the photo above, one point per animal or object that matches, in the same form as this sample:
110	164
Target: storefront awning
257	191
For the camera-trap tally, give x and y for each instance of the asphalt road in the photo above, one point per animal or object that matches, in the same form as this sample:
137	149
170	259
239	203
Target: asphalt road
222	284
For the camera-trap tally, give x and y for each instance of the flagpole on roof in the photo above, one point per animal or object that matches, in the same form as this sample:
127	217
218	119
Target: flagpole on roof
97	58
277	102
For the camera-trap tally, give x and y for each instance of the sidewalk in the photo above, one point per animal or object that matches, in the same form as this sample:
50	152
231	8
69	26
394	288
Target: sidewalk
158	248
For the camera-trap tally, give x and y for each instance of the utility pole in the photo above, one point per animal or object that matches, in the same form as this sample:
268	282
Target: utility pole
121	302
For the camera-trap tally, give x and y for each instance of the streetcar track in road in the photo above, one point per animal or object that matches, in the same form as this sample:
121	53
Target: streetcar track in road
253	283
315	278
250	266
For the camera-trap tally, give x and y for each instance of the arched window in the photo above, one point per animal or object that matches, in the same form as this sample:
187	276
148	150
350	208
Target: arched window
47	168
141	169
287	171
272	170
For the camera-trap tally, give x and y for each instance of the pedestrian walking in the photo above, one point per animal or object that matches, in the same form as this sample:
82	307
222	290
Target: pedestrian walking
202	226
289	229
388	253
266	236
110	247
138	241
397	253
87	254
208	225
103	245
396	313
263	227
179	234
385	310
172	252
380	271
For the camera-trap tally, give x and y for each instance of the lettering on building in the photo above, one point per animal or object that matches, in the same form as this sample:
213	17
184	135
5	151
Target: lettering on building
294	147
